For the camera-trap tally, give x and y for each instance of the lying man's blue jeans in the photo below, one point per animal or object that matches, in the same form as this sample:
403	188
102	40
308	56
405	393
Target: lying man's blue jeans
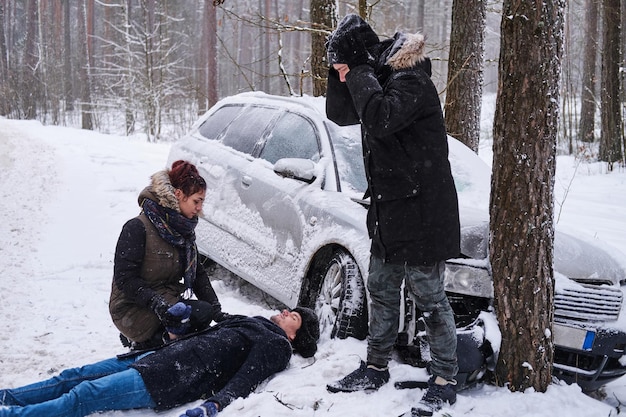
102	386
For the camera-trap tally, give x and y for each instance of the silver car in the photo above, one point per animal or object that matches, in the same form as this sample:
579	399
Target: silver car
284	211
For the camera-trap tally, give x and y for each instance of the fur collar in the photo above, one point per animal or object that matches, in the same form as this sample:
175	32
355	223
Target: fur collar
407	51
163	190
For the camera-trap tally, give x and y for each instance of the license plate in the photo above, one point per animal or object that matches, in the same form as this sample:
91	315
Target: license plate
573	337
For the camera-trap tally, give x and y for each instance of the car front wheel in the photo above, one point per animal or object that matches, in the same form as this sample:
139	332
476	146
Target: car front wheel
337	292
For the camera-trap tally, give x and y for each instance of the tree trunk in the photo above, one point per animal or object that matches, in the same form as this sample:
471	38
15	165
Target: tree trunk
611	140
29	90
68	93
420	15
85	81
363	9
588	94
266	55
128	86
522	206
465	71
210	65
4	66
323	18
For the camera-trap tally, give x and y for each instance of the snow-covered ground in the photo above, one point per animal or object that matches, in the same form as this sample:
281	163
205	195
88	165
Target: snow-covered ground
65	194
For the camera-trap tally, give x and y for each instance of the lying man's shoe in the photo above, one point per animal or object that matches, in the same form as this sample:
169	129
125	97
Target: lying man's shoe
366	378
440	391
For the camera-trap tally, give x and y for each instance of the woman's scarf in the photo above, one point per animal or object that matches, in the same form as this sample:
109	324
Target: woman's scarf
178	231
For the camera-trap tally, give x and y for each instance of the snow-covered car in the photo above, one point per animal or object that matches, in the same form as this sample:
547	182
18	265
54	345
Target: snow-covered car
284	211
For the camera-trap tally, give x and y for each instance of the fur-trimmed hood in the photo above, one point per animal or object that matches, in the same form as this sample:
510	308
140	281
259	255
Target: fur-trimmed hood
161	191
402	51
406	51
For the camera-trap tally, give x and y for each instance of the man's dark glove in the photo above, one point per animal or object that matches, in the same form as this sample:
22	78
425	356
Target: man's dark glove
348	49
161	309
221	316
208	409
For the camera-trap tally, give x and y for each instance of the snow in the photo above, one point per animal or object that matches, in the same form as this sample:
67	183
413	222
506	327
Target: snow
66	194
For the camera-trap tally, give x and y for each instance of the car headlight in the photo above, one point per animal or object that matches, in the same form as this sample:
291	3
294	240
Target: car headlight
468	279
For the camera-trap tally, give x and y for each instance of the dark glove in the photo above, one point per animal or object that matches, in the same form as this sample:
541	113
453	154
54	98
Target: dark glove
208	409
221	316
161	309
348	49
180	312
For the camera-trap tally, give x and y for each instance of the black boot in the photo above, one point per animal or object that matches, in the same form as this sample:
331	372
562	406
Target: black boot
366	378
440	392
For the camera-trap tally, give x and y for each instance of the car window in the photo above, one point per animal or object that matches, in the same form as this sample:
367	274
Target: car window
215	124
247	129
293	136
348	151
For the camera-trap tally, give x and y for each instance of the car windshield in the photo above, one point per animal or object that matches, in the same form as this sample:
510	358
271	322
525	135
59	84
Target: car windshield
471	174
349	156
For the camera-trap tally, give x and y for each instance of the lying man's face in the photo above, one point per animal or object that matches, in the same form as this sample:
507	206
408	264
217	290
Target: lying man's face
289	321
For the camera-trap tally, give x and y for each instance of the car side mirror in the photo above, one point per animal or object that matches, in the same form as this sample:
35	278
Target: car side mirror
296	168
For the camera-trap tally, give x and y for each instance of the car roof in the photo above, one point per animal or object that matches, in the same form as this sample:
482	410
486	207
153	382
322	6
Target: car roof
305	104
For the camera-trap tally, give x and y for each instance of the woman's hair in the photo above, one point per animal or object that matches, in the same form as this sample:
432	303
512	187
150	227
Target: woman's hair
185	177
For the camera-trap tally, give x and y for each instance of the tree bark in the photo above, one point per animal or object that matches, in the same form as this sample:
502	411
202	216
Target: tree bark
67	61
465	71
85	81
323	18
588	93
611	139
212	93
30	90
522	202
5	88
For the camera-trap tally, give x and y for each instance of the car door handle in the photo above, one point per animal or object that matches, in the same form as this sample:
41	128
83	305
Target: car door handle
246	180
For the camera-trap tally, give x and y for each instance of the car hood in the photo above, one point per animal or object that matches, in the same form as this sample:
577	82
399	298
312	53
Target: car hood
581	260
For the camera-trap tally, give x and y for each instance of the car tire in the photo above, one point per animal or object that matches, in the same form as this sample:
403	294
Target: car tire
337	293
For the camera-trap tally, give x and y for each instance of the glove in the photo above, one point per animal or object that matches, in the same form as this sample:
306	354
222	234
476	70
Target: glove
178	316
208	409
161	309
221	316
348	49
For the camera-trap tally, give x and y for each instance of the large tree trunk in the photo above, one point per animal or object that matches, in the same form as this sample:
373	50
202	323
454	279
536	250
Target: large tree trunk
465	71
323	18
611	140
588	93
522	205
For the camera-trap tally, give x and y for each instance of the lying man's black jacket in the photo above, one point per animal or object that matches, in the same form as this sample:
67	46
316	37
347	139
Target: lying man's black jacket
221	364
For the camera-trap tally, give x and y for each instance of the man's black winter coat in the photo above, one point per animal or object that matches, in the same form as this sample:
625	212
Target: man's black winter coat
413	218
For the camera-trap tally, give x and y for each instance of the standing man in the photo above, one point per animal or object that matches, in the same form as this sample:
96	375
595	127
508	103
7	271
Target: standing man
413	219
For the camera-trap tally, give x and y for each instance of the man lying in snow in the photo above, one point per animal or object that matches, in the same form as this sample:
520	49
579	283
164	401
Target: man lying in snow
222	363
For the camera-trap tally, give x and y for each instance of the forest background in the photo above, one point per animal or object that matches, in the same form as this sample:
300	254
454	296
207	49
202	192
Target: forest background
126	66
